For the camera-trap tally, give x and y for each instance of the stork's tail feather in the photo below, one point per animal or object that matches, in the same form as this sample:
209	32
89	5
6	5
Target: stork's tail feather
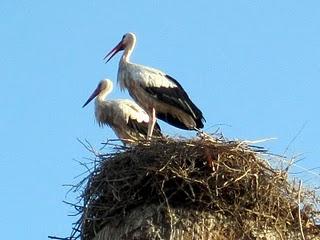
200	121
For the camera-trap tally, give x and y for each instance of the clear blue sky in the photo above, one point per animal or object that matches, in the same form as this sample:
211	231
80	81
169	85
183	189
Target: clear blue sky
253	66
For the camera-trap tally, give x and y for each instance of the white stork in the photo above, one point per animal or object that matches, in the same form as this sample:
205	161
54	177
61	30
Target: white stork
127	119
157	93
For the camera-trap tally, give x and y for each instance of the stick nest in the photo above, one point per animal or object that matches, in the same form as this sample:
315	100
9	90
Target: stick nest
205	174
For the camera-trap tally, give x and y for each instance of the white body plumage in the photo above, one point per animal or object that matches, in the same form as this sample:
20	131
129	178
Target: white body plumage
127	119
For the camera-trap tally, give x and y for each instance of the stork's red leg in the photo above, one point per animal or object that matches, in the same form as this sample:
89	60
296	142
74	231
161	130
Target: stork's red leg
152	122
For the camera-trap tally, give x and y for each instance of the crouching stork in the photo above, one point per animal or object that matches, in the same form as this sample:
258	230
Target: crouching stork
126	118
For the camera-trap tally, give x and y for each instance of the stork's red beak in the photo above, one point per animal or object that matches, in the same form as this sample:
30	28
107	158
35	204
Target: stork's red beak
93	95
120	46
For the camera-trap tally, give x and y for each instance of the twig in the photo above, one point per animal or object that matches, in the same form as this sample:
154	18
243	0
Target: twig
299	212
59	238
88	146
248	142
239	178
109	143
169	210
295	137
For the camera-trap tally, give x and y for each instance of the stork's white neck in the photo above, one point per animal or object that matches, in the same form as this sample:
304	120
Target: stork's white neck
128	50
103	94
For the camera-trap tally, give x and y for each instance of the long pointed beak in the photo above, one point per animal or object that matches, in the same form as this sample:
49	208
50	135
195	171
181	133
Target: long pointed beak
114	51
93	95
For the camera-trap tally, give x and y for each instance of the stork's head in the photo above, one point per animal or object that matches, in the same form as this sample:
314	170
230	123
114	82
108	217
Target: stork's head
104	87
127	42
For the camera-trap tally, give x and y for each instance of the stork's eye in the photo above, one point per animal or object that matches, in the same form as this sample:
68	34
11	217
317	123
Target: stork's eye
123	36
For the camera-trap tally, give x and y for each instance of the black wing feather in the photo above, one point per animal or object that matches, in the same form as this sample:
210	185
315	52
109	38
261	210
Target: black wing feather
142	127
172	120
179	98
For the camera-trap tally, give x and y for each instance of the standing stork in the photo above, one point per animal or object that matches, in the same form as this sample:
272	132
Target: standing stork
159	94
127	119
